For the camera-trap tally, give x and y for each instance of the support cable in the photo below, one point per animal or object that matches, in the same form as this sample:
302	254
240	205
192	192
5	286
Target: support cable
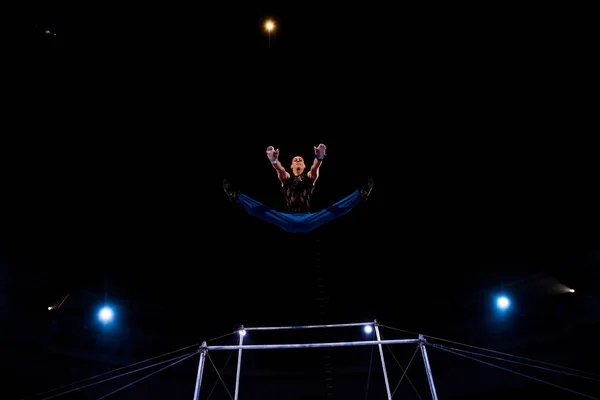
518	363
404	373
515	372
402	368
222	371
145	377
369	375
118	376
122	368
495	351
219	375
108	372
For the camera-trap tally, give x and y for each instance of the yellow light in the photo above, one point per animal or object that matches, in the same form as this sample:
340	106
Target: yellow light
269	25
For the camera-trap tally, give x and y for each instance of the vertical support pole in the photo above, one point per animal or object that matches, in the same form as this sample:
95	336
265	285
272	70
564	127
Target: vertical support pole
241	332
203	351
422	342
387	383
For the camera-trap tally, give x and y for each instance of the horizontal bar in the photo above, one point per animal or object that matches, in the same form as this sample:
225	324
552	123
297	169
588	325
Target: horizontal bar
276	328
313	345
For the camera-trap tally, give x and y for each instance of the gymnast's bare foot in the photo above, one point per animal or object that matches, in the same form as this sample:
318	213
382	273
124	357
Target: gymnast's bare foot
232	194
365	191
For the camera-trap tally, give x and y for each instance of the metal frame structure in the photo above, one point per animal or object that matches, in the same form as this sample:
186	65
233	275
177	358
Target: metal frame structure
204	348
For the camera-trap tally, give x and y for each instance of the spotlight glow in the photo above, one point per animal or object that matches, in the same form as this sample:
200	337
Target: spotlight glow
503	302
106	314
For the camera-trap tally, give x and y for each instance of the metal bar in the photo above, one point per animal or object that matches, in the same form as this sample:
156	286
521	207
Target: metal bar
200	371
312	345
422	342
385	376
277	328
239	364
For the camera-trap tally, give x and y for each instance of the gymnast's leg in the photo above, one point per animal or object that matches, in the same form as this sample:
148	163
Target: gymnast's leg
285	221
340	208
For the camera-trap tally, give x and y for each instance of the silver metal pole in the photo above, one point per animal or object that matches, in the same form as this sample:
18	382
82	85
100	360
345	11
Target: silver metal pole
203	351
387	382
422	342
312	345
276	328
242	332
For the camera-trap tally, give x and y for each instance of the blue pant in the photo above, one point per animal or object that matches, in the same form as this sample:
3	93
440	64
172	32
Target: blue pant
298	222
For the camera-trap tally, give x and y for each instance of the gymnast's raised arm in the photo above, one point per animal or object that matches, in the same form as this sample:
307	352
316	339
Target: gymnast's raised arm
313	173
273	156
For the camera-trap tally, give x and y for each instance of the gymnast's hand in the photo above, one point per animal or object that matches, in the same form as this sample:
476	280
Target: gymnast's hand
272	154
320	151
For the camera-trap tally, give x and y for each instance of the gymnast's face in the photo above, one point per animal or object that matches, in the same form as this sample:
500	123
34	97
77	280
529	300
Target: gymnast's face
298	165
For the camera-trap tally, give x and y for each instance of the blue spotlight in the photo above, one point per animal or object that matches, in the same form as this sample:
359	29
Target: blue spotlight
503	303
368	329
106	314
